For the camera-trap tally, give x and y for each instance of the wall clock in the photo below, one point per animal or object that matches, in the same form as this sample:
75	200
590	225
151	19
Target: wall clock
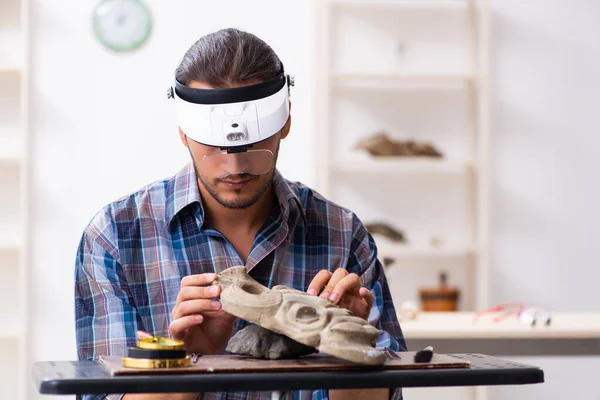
122	25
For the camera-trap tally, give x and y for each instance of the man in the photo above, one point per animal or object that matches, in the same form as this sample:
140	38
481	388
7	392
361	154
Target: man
146	262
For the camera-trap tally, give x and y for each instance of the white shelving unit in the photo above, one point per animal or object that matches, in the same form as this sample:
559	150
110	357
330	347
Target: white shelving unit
14	74
414	70
418	69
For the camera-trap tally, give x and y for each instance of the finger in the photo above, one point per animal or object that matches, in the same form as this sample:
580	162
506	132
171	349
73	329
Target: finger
142	335
179	326
199	306
318	282
198	280
368	297
348	284
337	276
193	293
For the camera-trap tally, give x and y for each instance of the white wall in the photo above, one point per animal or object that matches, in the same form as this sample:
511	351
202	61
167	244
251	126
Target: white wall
101	127
545	63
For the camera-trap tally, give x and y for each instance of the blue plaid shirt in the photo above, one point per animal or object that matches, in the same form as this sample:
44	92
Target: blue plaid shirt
135	251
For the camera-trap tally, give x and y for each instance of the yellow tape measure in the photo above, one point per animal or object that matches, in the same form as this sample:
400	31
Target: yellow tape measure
144	363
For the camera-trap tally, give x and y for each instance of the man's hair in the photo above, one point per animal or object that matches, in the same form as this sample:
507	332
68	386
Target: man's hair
227	58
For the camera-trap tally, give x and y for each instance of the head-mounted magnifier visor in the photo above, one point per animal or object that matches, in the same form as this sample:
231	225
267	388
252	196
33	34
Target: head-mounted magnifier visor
232	120
236	116
223	164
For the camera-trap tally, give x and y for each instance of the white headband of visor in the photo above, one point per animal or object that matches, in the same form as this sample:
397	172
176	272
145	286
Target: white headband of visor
231	117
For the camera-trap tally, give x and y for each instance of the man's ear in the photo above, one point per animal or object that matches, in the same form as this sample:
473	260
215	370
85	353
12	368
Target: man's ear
183	138
286	128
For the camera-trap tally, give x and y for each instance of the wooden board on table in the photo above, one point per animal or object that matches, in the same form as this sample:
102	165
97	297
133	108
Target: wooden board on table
314	362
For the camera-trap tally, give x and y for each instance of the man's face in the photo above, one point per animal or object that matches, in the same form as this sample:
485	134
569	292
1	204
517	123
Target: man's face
234	191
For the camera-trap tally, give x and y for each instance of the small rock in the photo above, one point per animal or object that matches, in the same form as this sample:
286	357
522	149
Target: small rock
258	342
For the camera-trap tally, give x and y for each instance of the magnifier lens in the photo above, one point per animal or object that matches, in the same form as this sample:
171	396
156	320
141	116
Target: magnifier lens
223	164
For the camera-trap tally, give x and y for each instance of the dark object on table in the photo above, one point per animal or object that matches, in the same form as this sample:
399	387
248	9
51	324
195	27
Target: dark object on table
380	144
424	356
391	354
258	342
441	298
381	228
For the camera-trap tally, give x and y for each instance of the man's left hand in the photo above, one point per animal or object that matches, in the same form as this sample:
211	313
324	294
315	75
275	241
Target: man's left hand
344	289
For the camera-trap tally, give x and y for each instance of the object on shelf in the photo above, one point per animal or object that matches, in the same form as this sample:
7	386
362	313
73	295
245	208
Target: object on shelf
401	49
441	298
436	241
527	314
386	230
310	320
388	261
380	144
407	311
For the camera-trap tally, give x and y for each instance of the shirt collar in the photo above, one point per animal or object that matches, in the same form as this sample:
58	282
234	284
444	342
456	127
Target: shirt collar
288	199
183	191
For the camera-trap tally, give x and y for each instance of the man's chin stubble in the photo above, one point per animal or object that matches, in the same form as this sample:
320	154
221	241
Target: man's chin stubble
238	204
233	205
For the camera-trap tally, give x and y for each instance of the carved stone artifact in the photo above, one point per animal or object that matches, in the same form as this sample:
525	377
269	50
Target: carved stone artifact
310	320
380	144
259	342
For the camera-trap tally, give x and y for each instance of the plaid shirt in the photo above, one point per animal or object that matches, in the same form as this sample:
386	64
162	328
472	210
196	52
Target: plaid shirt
135	251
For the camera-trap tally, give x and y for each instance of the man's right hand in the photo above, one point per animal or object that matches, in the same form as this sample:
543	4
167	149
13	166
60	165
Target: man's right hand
198	320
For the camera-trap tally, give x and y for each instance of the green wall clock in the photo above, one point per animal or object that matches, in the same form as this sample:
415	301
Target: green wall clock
122	25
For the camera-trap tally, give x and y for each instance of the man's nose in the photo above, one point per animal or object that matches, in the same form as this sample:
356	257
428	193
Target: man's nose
236	163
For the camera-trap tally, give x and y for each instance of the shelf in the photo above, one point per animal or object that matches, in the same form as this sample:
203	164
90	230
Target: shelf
10	120
10	70
415	40
11	362
380	81
9	244
11	334
395	165
428	5
459	325
9	159
10	208
10	295
11	49
405	251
